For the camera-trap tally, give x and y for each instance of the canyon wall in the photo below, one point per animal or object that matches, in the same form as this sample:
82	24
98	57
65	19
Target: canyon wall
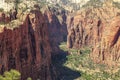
25	46
98	28
57	27
108	49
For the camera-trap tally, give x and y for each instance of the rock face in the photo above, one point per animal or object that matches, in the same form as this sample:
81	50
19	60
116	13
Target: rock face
84	29
108	49
57	28
98	28
26	47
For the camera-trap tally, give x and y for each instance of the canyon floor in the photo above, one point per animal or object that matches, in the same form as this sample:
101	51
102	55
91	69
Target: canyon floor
75	64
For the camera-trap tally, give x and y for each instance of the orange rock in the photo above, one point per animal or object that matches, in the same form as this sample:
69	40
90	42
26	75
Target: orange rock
98	28
109	46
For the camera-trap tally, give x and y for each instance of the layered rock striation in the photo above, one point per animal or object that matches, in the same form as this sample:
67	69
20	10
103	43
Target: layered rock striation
26	47
98	28
108	49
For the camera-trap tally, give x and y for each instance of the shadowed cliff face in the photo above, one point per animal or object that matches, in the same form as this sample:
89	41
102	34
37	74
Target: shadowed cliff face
98	28
57	28
26	48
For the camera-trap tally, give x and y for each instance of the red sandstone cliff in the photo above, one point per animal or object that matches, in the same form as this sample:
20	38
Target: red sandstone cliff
26	47
108	49
98	28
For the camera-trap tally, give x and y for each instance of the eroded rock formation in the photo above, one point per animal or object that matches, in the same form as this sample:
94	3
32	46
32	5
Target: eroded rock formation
98	28
108	49
26	47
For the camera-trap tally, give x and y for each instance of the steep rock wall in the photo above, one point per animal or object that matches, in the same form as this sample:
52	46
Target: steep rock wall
57	28
97	28
108	49
26	48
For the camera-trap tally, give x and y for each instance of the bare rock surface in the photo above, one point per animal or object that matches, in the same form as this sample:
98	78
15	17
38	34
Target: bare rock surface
98	28
26	47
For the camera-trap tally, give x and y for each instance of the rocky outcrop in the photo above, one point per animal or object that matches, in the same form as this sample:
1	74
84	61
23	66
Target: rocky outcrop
26	47
98	28
84	29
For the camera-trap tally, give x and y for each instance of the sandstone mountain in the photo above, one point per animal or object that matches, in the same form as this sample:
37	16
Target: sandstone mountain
98	28
31	31
24	45
53	30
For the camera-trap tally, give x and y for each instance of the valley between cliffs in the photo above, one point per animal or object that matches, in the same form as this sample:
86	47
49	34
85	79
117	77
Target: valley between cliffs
51	41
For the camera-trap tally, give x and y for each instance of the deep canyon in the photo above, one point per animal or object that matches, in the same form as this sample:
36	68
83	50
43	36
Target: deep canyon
31	32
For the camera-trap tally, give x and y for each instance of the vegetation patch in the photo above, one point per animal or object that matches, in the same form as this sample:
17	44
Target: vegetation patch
83	64
1	9
12	75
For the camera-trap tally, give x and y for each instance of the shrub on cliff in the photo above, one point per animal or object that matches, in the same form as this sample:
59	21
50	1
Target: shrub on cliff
1	9
12	75
29	78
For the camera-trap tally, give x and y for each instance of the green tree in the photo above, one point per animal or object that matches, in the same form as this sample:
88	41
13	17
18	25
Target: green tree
10	75
2	78
16	3
29	78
